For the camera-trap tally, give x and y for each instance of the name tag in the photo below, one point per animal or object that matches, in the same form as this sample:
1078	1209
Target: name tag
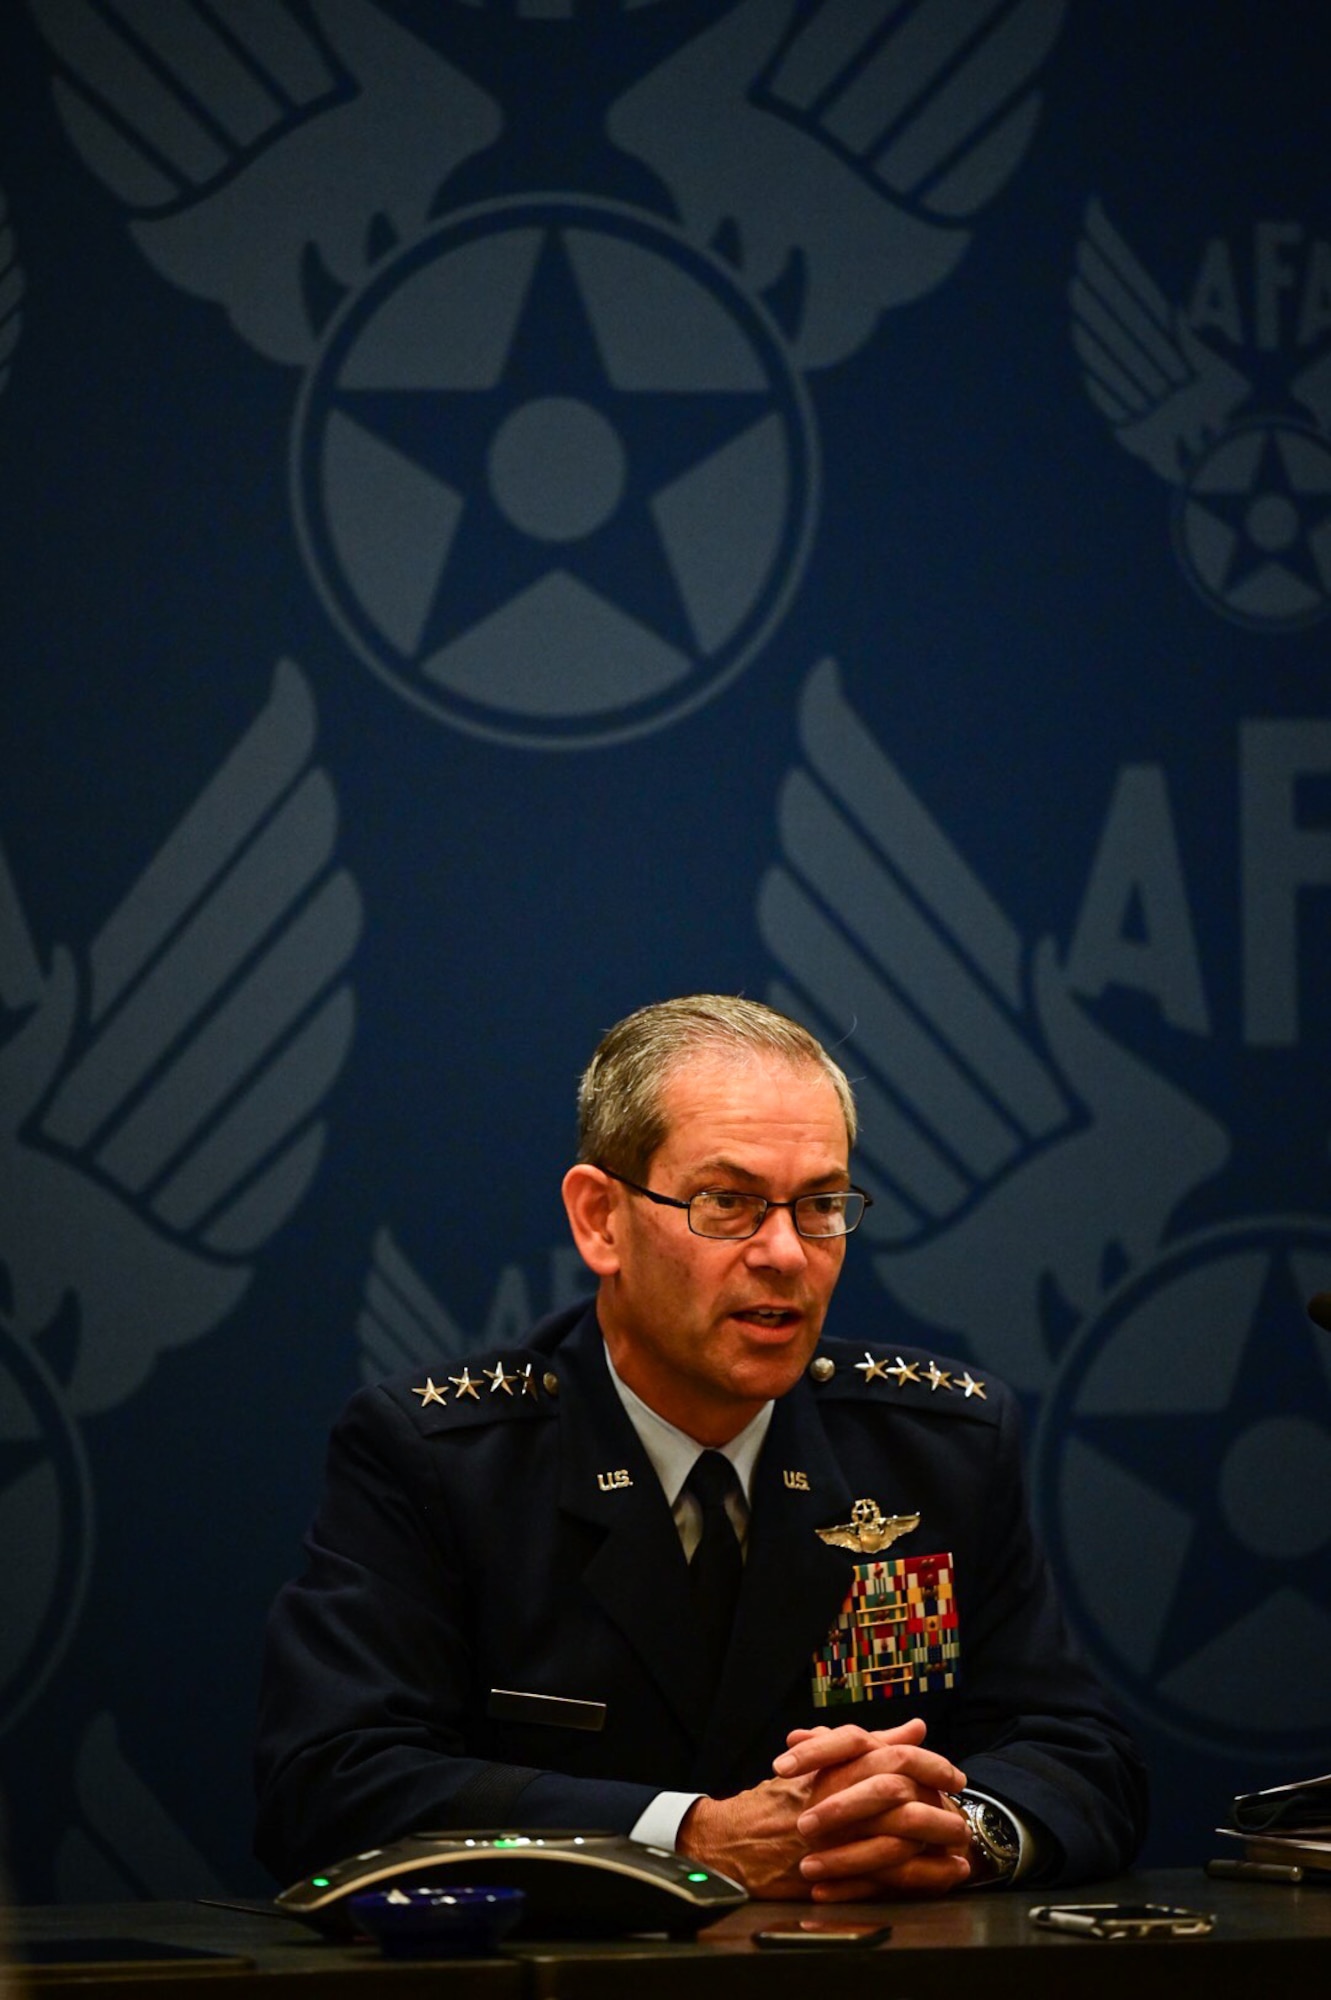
895	1634
558	1710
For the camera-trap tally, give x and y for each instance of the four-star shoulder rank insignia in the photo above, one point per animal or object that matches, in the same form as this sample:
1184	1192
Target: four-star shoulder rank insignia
869	1530
877	1368
496	1377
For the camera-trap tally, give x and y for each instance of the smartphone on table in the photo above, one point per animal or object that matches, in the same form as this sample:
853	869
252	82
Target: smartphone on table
822	1930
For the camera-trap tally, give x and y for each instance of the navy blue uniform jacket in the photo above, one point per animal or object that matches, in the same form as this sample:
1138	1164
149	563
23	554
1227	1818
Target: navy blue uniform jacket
519	1540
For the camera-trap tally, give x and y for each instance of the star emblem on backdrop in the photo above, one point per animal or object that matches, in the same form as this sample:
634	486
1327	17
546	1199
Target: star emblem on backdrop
556	461
1212	1609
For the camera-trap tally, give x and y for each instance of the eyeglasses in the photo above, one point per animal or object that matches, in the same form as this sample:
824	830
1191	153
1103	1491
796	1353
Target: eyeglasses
729	1215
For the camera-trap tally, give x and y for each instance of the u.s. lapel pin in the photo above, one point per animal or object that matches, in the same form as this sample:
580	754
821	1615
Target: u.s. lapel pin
869	1531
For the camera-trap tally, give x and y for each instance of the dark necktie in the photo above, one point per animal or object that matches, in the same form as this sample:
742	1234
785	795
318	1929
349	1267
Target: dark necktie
717	1565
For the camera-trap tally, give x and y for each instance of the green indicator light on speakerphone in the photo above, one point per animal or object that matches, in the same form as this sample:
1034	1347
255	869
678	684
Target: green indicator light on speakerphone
697	1875
320	1882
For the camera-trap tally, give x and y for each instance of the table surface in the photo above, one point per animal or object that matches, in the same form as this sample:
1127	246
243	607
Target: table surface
1269	1938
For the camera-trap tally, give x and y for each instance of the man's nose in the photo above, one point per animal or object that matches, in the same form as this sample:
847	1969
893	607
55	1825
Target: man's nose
778	1245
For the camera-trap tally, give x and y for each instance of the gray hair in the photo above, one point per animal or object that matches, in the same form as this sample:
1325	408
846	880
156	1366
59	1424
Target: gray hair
620	1120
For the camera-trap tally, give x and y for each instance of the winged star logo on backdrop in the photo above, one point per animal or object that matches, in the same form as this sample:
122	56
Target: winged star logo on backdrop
1017	1152
1252	485
158	1122
1028	1171
554	464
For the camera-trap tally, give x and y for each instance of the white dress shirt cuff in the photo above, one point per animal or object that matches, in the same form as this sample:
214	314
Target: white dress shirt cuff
659	1825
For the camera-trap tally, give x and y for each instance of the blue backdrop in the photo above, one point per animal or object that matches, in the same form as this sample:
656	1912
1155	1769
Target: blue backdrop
513	508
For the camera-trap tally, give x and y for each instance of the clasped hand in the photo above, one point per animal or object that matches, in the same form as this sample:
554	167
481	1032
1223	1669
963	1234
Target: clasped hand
850	1814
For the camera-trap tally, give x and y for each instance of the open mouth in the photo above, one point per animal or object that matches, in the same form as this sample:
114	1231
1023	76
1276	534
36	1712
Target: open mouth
770	1318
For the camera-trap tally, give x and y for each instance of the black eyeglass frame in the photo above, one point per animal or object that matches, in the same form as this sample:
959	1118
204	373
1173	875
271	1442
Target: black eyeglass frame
764	1204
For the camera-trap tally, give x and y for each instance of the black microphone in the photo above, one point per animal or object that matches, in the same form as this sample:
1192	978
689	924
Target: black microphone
1319	1310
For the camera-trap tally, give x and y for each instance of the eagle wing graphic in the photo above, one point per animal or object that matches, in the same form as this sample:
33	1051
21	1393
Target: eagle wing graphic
1009	1143
837	161
158	1106
11	292
1166	393
401	1321
268	163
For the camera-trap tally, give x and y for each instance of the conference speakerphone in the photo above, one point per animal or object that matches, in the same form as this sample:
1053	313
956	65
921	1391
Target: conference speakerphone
574	1882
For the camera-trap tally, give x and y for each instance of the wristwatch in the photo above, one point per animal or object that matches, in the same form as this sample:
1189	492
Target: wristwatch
995	1848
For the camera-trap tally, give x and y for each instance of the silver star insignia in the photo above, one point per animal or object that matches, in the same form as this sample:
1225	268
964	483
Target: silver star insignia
871	1370
971	1386
529	1382
465	1386
905	1371
431	1393
936	1377
499	1380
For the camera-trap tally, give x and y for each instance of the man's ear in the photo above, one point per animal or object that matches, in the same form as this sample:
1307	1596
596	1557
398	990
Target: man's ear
589	1202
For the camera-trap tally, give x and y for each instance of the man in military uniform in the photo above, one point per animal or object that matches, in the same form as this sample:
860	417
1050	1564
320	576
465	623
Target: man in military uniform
683	1568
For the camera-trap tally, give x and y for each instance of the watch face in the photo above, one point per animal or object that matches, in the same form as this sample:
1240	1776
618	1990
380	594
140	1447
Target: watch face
992	1828
995	1826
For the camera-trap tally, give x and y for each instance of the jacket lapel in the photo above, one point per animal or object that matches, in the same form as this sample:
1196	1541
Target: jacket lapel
638	1575
794	1583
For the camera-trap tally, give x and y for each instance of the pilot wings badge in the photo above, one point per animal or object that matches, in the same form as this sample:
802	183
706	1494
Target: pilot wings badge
869	1530
1014	1150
